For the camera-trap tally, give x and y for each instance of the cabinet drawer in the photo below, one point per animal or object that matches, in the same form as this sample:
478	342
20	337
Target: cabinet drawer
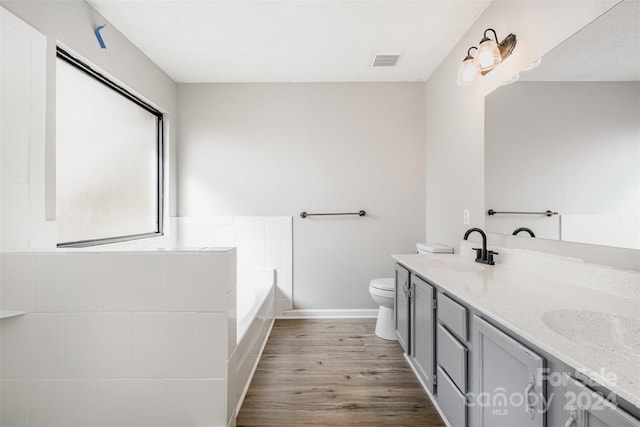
453	316
451	401
452	357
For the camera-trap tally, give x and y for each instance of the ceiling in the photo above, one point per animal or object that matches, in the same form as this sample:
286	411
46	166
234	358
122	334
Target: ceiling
197	41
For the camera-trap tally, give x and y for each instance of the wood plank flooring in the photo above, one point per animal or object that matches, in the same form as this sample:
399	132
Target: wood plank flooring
334	372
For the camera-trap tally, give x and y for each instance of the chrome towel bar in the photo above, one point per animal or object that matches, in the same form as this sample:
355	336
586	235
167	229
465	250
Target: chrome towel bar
546	213
305	214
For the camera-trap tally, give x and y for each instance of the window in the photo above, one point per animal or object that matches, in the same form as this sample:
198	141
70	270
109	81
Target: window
109	146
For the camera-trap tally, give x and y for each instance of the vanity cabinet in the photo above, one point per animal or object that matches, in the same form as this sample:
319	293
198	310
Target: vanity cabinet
587	408
508	387
422	328
402	307
452	356
482	374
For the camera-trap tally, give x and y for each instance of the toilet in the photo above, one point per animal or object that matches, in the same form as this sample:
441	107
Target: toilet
382	291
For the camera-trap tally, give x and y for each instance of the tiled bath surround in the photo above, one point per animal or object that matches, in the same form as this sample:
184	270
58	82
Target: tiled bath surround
118	338
262	243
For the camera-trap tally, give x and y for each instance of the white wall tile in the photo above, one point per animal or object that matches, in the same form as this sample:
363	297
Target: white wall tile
232	325
43	235
61	403
244	220
15	112
36	191
194	402
281	220
165	345
251	254
275	253
14	403
133	282
14	221
220	235
212	346
179	345
192	235
160	403
32	346
66	282
98	345
250	231
232	270
278	230
198	281
16	281
129	403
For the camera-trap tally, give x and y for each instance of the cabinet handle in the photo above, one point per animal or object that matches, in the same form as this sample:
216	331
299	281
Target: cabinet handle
404	287
527	391
572	419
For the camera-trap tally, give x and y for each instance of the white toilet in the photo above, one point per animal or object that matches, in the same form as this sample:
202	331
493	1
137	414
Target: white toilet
382	291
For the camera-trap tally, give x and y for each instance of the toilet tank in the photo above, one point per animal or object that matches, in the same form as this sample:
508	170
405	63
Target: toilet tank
433	248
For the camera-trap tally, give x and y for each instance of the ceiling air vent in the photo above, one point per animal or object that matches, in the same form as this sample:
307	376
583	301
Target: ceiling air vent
385	60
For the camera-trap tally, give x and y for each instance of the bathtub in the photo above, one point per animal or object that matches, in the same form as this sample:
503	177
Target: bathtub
253	289
254	304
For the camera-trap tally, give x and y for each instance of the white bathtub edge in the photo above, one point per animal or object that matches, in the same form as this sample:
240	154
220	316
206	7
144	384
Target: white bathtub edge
253	369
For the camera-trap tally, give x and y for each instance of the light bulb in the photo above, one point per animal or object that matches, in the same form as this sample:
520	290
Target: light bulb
488	55
467	72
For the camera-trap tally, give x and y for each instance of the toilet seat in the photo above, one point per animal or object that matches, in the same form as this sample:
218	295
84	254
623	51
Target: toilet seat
383	284
386	293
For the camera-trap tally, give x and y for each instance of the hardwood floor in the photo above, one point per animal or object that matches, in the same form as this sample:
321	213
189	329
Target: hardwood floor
334	372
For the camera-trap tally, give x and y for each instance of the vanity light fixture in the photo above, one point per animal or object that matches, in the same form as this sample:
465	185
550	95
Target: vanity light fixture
488	55
467	72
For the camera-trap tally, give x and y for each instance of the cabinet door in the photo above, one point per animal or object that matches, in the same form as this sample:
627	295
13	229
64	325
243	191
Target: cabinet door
508	389
423	329
401	304
589	409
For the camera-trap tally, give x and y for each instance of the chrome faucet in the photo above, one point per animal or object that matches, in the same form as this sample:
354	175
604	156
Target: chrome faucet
482	254
525	229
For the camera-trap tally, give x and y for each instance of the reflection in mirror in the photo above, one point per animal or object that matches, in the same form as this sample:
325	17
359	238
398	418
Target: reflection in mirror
566	138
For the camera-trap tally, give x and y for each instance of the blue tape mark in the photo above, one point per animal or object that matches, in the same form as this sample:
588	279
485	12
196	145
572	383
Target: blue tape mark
99	36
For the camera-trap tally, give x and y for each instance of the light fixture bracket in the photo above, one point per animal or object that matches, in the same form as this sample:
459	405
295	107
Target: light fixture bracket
507	45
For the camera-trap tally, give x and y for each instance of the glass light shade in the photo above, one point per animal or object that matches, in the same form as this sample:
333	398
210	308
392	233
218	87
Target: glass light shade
467	72
488	55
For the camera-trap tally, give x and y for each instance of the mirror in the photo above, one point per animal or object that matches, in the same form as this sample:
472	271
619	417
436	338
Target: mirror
565	138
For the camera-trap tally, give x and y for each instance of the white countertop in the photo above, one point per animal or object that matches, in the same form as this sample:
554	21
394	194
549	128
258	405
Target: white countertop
518	300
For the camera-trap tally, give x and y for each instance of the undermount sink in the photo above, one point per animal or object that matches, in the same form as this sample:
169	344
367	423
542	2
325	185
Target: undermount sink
457	265
612	332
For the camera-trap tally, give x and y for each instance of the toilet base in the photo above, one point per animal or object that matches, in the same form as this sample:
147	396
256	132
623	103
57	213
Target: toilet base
385	326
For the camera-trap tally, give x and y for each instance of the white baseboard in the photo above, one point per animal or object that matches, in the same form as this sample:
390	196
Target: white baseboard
330	313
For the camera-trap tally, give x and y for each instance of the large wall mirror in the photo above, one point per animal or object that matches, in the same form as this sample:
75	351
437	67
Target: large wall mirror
565	138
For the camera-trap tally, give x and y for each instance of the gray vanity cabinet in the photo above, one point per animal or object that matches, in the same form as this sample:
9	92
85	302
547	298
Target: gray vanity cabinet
423	330
402	308
589	409
508	389
452	355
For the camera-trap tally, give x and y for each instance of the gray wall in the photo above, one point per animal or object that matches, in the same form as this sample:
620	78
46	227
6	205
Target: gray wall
279	149
455	114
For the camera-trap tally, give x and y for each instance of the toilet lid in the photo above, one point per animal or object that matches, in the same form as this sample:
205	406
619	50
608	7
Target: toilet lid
385	284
